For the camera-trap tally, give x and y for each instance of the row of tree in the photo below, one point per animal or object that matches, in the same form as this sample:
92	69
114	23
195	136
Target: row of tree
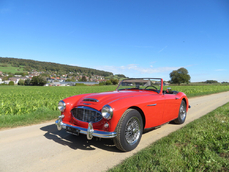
36	81
41	81
110	82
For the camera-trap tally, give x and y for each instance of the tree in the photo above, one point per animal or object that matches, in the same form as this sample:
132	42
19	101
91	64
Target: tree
84	79
21	82
11	83
108	82
211	82
180	76
5	78
114	81
102	83
27	81
20	73
38	80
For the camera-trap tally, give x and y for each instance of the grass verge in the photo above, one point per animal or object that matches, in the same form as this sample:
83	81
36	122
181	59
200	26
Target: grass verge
40	115
202	145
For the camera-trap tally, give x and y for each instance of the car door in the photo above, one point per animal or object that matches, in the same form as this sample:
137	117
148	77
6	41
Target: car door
171	108
154	110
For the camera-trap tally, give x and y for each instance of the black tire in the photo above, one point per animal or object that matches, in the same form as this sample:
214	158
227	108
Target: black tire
182	113
129	130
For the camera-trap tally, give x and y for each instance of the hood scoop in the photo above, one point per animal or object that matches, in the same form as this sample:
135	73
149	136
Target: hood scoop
90	100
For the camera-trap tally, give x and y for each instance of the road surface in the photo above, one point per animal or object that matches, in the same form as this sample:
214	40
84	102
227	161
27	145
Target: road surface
43	148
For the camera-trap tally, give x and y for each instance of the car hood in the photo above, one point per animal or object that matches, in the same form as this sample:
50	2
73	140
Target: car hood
108	97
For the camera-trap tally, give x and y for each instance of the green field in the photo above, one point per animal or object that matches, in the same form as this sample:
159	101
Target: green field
10	69
192	91
24	105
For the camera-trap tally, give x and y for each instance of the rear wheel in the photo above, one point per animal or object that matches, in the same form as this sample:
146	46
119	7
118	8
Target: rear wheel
182	113
129	130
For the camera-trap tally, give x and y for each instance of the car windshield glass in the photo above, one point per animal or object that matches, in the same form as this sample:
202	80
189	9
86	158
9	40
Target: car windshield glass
153	84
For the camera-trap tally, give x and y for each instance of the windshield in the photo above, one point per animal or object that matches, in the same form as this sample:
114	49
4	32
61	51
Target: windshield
153	84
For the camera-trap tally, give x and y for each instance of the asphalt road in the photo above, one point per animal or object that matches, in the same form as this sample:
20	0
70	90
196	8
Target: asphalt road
43	148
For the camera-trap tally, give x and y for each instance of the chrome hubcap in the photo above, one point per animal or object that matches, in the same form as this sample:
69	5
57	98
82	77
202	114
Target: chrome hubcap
132	130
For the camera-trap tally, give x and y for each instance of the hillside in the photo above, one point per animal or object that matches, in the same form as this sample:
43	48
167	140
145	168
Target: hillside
29	65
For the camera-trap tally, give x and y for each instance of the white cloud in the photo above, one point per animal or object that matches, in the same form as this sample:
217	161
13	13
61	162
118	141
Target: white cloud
220	70
132	70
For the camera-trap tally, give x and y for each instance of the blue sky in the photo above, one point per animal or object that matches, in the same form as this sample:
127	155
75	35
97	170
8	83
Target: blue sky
137	38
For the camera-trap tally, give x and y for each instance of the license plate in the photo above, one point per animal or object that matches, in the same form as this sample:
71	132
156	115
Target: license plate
73	130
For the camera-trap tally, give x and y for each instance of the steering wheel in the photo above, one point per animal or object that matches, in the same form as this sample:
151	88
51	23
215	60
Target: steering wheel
151	86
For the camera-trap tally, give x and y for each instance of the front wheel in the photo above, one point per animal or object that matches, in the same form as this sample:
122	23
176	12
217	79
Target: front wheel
182	113
129	130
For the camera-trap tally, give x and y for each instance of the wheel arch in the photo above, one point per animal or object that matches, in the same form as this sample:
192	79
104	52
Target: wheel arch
141	113
186	102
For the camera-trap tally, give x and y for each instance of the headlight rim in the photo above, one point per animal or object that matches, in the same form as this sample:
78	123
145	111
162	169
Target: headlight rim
63	106
107	114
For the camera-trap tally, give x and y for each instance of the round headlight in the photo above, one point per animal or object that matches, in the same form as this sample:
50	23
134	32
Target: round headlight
61	106
107	112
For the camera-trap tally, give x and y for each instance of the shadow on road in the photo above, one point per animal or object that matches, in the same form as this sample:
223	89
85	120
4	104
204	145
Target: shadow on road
77	142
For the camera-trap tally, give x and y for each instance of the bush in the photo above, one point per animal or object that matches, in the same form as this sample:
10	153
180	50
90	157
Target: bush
38	81
102	83
108	82
27	81
21	82
114	81
11	83
80	84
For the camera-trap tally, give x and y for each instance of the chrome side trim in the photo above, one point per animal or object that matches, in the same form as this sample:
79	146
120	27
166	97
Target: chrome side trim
90	132
152	104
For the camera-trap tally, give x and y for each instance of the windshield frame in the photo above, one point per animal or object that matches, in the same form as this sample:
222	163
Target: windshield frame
145	81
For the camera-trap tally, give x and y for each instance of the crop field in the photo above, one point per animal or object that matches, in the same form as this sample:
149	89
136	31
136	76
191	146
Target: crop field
17	100
192	91
19	104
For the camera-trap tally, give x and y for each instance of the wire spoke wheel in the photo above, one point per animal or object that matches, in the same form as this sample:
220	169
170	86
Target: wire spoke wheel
132	130
129	130
182	111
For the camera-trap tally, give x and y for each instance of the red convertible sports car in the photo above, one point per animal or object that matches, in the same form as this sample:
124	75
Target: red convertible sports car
136	104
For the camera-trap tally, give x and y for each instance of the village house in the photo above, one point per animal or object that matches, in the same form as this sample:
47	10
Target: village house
17	75
6	81
17	79
53	79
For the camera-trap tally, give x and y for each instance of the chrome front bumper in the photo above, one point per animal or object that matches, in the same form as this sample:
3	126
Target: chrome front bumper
90	132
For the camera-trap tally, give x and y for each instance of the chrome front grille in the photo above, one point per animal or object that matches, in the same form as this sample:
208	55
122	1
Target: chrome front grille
86	114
